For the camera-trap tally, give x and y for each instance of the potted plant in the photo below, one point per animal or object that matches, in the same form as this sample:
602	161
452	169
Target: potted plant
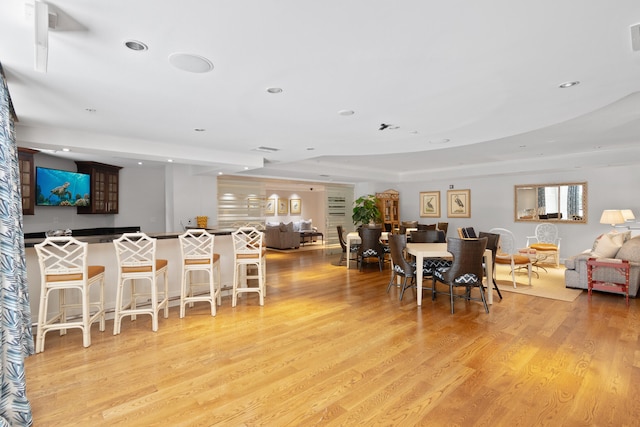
365	210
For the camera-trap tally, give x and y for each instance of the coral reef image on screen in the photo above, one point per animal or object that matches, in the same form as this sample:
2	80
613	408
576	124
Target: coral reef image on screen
56	187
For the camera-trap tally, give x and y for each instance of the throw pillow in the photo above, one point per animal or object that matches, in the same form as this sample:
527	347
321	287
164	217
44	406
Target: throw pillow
305	225
296	226
283	227
607	245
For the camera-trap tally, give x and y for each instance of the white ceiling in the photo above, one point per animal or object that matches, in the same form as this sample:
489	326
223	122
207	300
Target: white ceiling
483	75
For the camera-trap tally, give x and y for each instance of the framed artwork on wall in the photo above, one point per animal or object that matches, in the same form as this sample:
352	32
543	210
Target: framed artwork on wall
295	207
270	207
283	206
459	203
430	204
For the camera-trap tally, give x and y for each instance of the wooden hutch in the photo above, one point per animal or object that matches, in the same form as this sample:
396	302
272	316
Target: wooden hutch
389	205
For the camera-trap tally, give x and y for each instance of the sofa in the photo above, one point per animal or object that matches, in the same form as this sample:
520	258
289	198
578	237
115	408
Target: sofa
619	246
281	236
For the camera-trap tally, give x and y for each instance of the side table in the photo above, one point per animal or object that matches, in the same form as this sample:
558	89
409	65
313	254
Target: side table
616	268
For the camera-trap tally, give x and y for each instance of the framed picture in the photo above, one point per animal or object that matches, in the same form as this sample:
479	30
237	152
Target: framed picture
295	206
430	204
283	206
459	203
270	207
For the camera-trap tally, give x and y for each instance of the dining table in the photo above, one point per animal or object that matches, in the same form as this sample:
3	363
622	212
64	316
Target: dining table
439	250
354	238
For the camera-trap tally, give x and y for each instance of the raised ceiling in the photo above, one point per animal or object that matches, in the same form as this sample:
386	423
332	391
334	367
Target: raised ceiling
437	88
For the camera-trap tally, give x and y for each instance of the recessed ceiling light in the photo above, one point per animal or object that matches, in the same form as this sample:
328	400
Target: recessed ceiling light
274	90
66	150
246	168
199	129
219	173
190	62
310	149
136	45
346	112
139	163
170	160
568	84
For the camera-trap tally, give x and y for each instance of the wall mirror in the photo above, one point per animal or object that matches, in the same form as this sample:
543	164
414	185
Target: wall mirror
565	202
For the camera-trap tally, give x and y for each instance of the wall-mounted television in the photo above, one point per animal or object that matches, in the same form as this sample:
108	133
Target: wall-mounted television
55	187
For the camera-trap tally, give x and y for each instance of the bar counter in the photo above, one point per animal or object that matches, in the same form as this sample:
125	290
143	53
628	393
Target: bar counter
101	251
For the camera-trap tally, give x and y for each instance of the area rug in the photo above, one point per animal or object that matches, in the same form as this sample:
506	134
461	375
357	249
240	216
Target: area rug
549	284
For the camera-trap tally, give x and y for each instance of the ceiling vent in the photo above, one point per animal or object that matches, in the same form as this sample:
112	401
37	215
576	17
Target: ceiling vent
266	149
635	37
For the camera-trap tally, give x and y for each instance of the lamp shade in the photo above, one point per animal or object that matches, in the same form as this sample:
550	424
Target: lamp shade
628	214
611	216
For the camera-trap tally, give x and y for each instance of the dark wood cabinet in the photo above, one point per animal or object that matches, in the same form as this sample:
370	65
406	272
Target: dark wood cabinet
104	188
27	180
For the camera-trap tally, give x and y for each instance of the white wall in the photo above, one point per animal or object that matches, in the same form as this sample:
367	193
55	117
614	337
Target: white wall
146	201
313	202
141	202
189	195
492	202
142	199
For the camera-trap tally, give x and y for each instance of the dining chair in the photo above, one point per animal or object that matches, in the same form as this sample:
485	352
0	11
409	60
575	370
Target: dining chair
64	272
249	251
430	236
137	265
401	267
370	246
469	233
546	241
444	226
343	244
196	248
508	253
422	227
493	240
465	271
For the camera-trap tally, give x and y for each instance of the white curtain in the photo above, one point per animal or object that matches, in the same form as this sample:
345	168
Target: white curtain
16	339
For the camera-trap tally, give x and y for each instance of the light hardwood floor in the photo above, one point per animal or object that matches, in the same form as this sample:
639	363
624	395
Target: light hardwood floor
331	347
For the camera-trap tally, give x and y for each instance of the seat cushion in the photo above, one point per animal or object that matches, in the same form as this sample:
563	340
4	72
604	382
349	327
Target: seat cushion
436	263
94	270
517	259
544	247
369	253
465	279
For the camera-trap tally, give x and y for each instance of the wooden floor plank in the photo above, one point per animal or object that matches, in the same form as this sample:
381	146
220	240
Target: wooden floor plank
332	347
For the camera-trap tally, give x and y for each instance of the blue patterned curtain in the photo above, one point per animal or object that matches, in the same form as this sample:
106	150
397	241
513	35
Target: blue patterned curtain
541	199
16	339
574	200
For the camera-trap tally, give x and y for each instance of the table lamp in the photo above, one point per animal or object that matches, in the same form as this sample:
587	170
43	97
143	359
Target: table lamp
628	215
612	216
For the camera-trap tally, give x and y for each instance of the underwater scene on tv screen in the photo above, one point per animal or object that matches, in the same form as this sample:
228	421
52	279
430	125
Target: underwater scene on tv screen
56	187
